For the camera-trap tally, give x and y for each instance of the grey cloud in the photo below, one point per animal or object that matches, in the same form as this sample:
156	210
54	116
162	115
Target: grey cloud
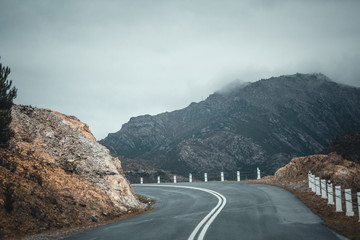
106	61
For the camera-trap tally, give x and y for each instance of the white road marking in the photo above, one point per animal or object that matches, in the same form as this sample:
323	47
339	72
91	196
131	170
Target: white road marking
209	218
205	228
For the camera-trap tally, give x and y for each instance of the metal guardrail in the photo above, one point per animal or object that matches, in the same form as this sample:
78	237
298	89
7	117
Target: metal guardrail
326	190
222	176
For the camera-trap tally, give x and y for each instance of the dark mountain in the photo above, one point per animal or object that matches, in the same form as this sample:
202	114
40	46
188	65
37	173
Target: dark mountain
348	146
262	124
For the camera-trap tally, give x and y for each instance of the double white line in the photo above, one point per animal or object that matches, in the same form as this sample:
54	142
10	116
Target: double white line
209	218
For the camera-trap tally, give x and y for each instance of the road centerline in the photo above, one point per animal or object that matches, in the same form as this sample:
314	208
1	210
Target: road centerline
208	223
209	218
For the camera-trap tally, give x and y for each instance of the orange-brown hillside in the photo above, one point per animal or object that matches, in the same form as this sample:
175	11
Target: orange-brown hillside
55	175
330	167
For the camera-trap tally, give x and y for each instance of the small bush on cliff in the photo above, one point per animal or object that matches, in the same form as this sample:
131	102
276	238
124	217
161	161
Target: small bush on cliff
7	95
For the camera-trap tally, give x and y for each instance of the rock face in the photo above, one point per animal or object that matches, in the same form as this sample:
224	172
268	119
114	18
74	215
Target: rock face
330	167
56	175
262	124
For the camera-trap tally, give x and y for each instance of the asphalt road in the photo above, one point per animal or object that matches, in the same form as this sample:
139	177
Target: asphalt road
217	210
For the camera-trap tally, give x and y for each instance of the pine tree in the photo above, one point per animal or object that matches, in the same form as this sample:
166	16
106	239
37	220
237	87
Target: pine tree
7	95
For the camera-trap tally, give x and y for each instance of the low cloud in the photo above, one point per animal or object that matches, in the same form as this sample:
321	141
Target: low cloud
108	61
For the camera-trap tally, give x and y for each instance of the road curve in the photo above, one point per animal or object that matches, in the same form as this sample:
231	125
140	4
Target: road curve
248	211
209	218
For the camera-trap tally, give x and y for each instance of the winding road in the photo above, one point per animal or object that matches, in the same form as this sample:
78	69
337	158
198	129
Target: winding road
217	210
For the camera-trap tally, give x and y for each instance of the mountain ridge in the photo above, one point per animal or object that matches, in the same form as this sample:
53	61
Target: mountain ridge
265	123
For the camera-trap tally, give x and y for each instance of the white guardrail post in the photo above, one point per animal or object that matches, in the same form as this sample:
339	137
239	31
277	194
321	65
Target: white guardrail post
317	186
141	180
190	177
338	199
309	179
358	200
205	177
222	176
258	173
158	180
330	193
348	203
238	176
323	188
313	186
174	178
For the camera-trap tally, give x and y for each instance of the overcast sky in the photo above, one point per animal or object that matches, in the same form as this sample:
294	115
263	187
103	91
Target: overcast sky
107	61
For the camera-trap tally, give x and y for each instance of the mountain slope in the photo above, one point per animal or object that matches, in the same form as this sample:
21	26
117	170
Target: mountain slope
55	175
134	170
348	146
264	124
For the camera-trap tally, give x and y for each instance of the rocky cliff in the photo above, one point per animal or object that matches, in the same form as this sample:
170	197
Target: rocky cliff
262	124
330	167
55	175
